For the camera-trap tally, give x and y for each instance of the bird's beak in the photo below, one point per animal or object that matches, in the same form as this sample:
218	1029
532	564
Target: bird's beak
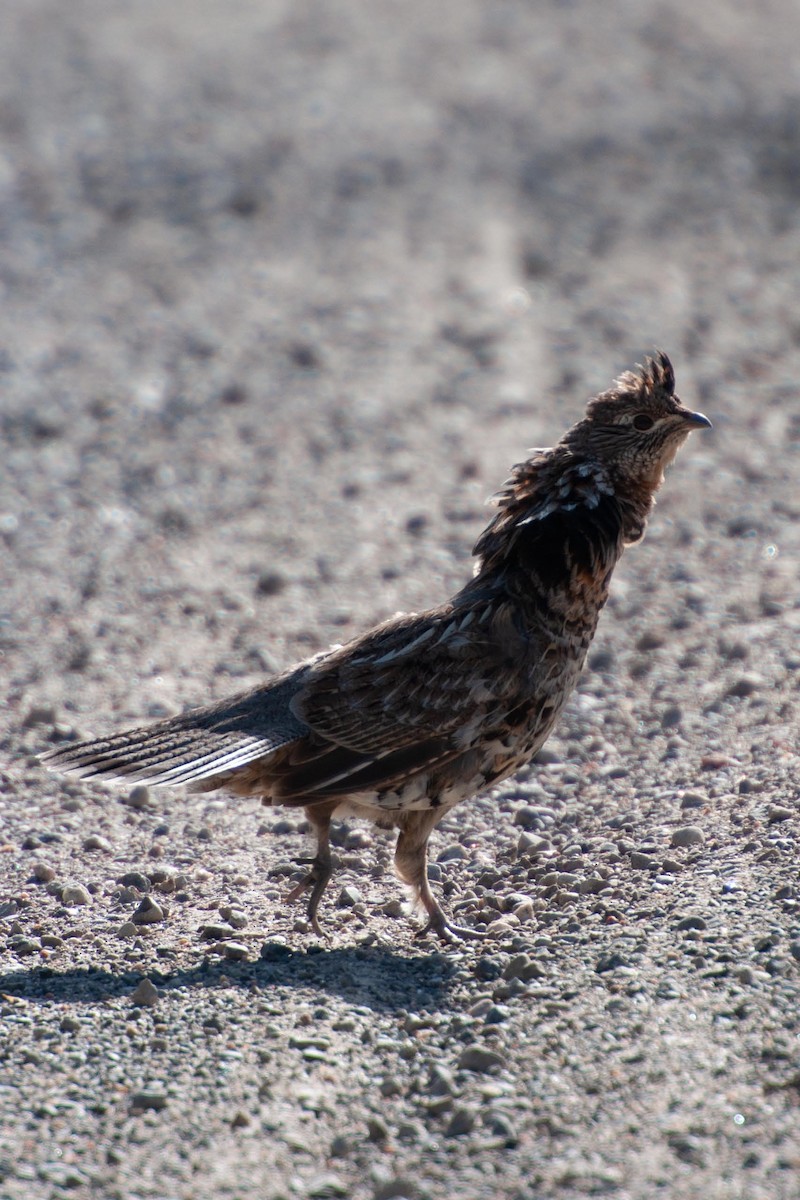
699	420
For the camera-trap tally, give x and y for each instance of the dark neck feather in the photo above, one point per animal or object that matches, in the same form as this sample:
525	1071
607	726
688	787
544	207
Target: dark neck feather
561	525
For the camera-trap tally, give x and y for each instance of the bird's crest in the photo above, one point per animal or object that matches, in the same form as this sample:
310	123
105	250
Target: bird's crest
649	380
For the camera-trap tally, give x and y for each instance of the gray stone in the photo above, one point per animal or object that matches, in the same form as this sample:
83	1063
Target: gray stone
480	1059
135	879
746	685
153	1097
75	893
234	916
778	812
148	912
96	841
523	967
377	1129
688	835
139	797
462	1121
396	1188
327	1187
22	946
214	933
454	853
145	994
441	1082
39	714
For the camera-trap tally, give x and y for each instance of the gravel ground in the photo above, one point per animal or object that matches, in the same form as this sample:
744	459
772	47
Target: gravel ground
287	288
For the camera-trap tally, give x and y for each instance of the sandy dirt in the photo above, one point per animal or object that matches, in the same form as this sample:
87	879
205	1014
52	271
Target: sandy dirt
287	287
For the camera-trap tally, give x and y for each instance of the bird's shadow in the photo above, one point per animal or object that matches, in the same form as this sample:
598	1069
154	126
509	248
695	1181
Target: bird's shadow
376	978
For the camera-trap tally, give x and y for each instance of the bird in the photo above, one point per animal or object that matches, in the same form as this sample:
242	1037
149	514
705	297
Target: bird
426	709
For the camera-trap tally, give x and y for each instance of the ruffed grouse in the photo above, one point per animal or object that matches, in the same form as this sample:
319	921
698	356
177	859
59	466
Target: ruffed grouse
428	708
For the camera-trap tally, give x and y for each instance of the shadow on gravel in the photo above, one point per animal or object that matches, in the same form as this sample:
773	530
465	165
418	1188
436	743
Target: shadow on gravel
375	978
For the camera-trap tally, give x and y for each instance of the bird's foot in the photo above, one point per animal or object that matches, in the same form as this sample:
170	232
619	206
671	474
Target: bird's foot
448	931
316	879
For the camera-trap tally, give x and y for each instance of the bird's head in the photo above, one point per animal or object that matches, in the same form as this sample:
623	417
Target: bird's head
636	428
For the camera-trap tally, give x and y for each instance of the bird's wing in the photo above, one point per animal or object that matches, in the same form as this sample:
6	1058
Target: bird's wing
403	680
385	708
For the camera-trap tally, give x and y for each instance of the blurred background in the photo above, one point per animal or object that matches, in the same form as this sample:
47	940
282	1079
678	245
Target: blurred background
288	286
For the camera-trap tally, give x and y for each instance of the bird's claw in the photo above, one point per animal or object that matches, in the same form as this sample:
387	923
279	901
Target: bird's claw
316	879
448	932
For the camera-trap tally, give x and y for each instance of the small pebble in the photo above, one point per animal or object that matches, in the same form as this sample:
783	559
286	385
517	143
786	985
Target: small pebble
441	1082
349	896
327	1187
270	583
748	786
235	951
522	966
275	952
135	879
214	933
23	946
671	717
489	969
497	1014
688	835
531	843
148	912
693	800
139	797
43	873
96	842
234	916
480	1059
127	930
454	853
154	1098
377	1129
746	685
397	1188
777	813
75	893
462	1121
501	1126
145	994
39	714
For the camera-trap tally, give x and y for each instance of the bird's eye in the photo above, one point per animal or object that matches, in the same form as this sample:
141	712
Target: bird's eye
642	422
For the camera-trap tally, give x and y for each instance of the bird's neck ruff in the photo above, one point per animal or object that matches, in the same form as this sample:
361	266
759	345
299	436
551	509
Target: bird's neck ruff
561	524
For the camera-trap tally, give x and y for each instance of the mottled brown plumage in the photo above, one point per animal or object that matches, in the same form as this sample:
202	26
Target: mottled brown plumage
429	708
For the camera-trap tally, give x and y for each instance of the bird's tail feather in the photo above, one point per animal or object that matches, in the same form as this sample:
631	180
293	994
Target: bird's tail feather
162	754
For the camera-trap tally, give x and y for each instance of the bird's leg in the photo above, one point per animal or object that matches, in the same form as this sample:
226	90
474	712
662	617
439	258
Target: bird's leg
411	864
321	864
